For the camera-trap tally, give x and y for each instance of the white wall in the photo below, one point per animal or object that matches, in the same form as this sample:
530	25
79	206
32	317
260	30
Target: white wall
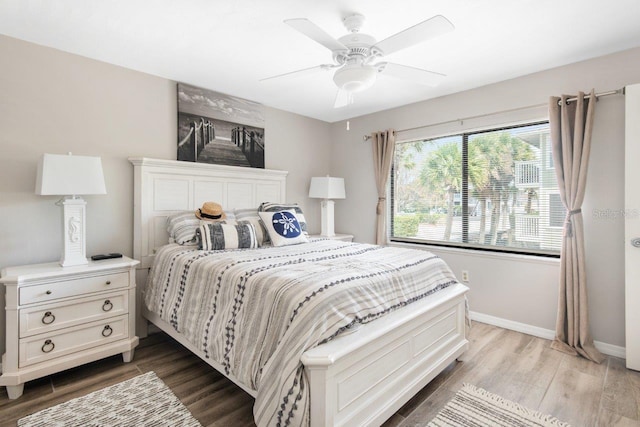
54	102
519	289
300	145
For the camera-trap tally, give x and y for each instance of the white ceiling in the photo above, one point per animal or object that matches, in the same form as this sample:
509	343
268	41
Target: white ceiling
229	45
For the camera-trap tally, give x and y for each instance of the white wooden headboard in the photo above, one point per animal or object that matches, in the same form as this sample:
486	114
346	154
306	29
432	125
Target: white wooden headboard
162	187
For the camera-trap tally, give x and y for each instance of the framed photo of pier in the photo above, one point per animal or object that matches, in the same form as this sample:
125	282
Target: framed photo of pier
218	128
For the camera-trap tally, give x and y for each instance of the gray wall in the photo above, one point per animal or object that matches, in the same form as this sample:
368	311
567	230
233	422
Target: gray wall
516	288
54	102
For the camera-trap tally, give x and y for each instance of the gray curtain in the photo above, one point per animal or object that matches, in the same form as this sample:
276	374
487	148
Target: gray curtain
383	147
571	124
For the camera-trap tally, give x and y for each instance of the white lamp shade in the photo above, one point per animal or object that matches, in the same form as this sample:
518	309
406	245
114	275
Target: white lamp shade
66	175
327	187
355	77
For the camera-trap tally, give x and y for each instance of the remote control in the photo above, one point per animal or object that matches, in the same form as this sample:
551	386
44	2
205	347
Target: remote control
106	256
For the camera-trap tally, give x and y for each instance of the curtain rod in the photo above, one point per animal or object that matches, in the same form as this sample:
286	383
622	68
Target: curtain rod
479	116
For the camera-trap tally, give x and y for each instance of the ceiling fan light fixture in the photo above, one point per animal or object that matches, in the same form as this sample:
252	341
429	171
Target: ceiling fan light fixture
354	53
355	77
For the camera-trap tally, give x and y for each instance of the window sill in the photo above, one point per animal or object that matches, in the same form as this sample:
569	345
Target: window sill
481	254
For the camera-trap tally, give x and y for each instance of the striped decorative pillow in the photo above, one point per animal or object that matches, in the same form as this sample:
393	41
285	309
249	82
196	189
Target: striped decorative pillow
277	207
217	236
182	227
250	216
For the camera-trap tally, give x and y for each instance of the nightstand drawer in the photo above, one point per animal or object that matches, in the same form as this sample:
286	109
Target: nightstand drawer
42	319
49	346
72	287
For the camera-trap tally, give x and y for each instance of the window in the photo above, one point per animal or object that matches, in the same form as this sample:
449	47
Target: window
492	190
557	211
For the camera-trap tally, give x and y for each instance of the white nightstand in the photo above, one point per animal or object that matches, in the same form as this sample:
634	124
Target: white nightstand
62	317
341	237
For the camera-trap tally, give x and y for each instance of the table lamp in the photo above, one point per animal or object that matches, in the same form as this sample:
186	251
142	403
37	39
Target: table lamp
327	188
71	176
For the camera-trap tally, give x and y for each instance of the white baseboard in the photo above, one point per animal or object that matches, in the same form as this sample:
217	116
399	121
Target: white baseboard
611	350
608	349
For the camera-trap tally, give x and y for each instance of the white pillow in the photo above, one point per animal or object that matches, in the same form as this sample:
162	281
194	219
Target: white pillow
283	228
276	207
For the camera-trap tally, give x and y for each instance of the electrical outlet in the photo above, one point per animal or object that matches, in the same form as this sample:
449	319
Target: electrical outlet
465	276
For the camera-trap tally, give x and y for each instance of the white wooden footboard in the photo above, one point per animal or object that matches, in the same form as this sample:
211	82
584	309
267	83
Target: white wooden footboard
363	378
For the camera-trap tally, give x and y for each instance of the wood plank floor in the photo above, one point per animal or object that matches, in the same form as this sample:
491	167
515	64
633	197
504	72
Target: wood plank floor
514	365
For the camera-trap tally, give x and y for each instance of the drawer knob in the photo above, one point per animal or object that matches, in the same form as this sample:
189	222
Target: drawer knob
107	331
48	292
48	346
48	318
107	306
108	282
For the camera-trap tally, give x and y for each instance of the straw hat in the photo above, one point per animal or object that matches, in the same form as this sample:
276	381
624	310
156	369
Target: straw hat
211	211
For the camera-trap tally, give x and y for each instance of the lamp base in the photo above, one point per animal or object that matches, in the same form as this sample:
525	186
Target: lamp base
327	218
74	239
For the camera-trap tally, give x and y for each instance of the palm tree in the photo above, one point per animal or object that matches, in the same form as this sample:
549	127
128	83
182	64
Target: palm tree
479	173
442	174
520	151
532	194
492	157
405	192
491	168
497	152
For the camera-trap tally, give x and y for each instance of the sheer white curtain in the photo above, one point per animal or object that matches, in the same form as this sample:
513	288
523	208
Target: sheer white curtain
384	143
571	124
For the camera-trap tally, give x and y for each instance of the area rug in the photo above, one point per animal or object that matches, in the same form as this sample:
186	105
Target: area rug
140	401
475	407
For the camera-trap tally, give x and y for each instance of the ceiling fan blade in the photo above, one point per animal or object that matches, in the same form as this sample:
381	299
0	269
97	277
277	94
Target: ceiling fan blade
316	33
417	75
303	72
431	28
343	98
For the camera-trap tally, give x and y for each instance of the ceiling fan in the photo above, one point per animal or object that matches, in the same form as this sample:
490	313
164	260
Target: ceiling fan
356	55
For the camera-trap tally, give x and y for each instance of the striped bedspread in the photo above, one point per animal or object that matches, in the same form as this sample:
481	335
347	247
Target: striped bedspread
256	311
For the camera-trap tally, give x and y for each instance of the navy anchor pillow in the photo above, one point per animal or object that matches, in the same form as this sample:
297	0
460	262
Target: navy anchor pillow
277	207
283	228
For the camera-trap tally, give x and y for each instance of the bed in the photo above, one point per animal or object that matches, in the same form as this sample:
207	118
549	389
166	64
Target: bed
359	376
